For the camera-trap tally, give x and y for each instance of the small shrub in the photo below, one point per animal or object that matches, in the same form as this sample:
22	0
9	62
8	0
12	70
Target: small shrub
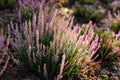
49	47
110	46
29	7
31	40
114	21
85	13
115	6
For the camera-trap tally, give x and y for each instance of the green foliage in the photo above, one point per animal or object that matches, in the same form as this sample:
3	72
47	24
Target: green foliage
116	26
7	4
86	1
83	13
107	45
114	21
2	2
52	49
46	40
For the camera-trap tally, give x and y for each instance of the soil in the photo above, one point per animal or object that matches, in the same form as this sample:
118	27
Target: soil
13	72
105	70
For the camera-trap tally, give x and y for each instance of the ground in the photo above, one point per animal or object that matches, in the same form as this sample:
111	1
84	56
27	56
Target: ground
104	70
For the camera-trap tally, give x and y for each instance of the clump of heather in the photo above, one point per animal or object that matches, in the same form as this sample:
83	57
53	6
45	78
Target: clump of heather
115	5
4	43
78	44
32	39
51	47
116	44
32	4
114	21
28	7
109	40
109	45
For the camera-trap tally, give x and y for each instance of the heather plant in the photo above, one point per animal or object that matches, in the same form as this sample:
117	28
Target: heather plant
28	7
31	41
51	47
116	44
87	13
115	5
78	44
114	21
109	45
4	58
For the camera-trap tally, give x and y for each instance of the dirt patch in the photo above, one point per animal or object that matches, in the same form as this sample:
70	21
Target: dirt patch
106	70
14	73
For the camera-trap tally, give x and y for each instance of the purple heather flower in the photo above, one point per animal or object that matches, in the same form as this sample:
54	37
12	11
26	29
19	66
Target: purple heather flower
51	1
94	53
89	36
94	44
109	41
4	43
43	1
59	77
5	66
28	0
75	29
117	35
20	3
79	42
1	41
116	49
90	24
